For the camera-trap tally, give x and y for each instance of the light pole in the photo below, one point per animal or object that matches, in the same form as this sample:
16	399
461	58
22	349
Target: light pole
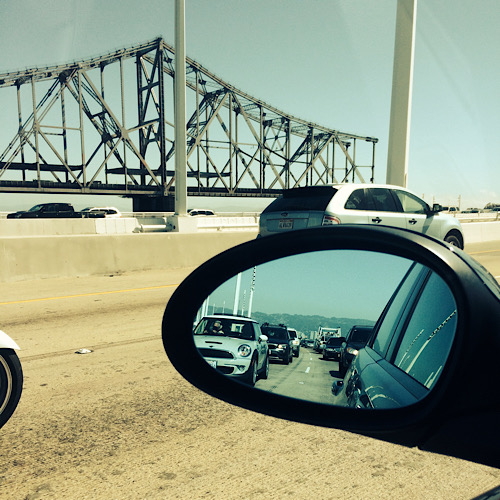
402	85
180	111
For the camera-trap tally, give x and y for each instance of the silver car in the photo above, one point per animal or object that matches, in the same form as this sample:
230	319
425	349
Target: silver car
233	345
373	204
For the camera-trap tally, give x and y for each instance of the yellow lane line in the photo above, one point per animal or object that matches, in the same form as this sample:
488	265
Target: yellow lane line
483	251
87	294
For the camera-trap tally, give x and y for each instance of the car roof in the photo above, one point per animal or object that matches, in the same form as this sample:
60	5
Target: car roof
228	316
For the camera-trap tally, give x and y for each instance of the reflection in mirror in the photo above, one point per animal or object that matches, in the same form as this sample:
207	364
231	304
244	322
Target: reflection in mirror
344	327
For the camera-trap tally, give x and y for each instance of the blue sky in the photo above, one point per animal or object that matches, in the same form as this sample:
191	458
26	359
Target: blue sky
327	61
333	283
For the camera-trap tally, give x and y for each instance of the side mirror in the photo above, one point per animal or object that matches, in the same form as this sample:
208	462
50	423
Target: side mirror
436	207
433	309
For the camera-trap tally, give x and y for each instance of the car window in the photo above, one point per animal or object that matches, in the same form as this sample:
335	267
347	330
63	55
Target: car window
275	333
225	327
361	335
359	201
427	340
410	203
393	313
383	200
257	330
308	198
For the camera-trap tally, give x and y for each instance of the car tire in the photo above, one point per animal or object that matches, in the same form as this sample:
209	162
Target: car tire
264	374
251	375
286	361
453	240
11	383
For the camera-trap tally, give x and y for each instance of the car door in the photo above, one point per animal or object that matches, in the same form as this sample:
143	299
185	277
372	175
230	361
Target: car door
386	209
418	215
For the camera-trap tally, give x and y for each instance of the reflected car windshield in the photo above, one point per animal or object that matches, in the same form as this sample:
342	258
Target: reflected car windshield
275	333
361	335
226	328
335	341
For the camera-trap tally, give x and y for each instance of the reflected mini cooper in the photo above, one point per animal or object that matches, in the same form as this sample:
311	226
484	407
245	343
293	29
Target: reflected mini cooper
233	345
379	205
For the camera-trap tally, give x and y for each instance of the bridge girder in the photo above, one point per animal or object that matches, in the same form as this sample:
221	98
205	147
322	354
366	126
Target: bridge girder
102	126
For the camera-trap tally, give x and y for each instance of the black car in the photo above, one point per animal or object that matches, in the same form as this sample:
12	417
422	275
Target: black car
279	342
333	348
410	342
47	211
356	338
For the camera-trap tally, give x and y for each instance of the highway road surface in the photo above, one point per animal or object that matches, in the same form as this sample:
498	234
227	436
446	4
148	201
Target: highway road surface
119	422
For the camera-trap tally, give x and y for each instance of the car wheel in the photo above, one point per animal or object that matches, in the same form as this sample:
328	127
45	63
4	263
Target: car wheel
11	383
286	360
454	240
251	375
265	369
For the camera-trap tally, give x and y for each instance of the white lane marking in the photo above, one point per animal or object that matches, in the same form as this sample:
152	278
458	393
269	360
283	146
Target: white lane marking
307	369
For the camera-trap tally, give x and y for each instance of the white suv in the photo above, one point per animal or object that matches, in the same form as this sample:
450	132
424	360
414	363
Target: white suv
374	204
233	345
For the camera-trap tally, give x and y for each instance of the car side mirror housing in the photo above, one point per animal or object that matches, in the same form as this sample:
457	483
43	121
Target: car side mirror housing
437	412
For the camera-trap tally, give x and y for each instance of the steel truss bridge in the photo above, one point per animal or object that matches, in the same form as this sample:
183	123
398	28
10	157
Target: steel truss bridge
106	126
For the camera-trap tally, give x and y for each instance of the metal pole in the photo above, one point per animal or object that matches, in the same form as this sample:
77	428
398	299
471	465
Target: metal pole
237	294
180	111
402	83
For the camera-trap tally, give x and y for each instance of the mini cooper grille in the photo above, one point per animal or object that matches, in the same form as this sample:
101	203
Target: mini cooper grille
215	353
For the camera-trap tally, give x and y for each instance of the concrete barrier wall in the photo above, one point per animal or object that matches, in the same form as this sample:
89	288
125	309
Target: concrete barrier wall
33	257
477	232
84	255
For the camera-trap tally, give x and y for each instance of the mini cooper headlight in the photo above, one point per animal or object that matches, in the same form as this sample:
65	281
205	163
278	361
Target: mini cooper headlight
244	350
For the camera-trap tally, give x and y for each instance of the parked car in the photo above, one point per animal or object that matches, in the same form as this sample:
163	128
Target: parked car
97	212
295	342
280	342
233	345
332	348
433	329
11	378
46	211
373	204
356	338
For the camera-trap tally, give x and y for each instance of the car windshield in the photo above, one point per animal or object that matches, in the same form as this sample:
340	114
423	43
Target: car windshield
361	335
335	341
303	199
275	333
225	327
36	208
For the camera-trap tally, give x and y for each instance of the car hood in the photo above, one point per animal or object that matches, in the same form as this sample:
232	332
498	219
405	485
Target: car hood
219	342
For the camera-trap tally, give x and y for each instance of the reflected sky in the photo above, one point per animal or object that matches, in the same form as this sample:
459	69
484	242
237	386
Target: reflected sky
330	283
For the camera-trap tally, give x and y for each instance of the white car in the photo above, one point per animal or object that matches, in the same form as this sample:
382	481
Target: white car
101	212
11	377
373	204
295	341
233	345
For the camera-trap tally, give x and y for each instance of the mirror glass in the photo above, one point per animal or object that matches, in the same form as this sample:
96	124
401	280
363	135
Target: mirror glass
343	327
